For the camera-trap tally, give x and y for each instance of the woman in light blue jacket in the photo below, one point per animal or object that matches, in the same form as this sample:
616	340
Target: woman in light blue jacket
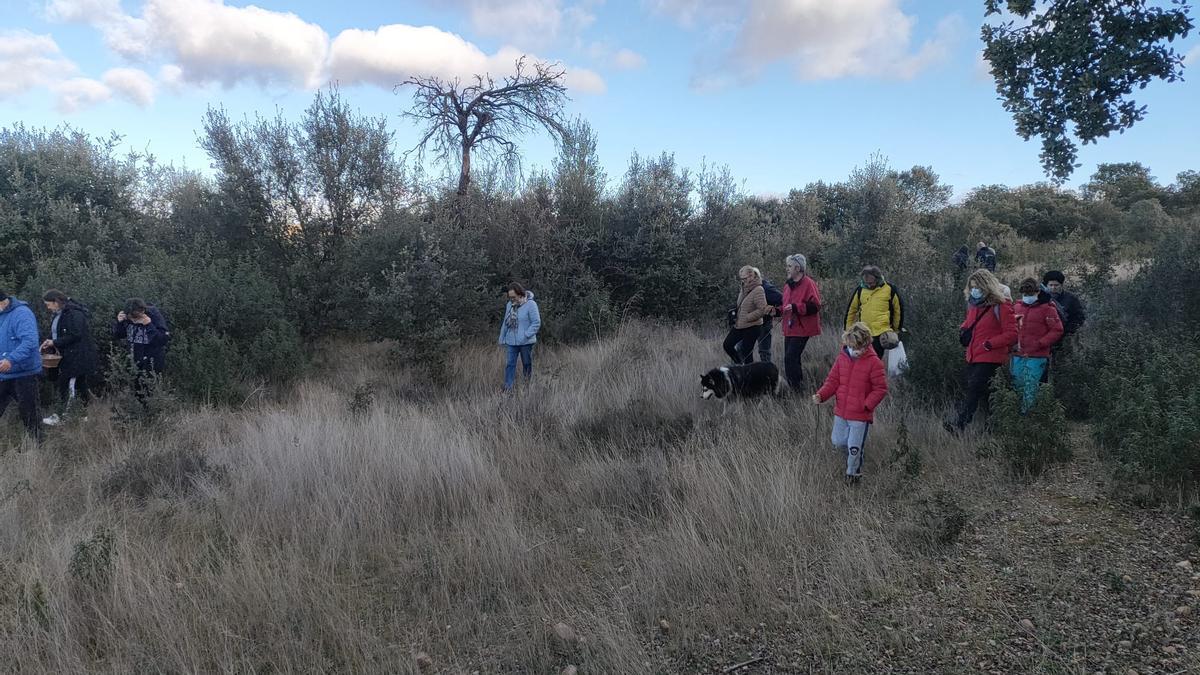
518	332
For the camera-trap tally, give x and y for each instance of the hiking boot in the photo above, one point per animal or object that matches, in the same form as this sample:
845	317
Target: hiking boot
52	421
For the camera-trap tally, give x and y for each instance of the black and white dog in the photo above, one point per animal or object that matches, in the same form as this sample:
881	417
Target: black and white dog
749	381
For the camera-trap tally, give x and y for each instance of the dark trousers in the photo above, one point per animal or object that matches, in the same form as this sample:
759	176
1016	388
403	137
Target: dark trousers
793	370
24	390
739	344
877	346
978	392
764	342
72	388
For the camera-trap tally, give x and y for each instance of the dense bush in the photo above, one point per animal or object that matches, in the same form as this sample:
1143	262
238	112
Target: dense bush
312	229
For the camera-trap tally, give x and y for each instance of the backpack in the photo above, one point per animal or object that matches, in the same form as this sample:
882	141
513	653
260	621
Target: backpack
774	295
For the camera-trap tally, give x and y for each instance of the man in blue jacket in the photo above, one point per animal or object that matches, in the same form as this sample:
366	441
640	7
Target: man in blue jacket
20	362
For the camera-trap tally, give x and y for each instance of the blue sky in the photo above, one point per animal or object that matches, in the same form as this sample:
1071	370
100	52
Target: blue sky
784	92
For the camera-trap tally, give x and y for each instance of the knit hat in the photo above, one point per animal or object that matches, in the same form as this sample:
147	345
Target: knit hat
1054	275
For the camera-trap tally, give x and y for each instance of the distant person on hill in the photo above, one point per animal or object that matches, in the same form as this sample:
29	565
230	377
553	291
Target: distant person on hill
71	337
800	317
20	362
765	334
518	333
747	316
143	329
985	257
858	382
1038	329
877	304
961	257
988	333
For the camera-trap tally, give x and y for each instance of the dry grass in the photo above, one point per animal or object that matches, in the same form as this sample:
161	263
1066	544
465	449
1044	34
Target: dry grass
343	536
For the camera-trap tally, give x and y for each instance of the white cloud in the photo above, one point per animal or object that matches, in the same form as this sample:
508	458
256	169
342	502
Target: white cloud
828	40
212	42
28	61
388	56
533	22
80	93
123	34
131	84
1193	57
818	39
627	59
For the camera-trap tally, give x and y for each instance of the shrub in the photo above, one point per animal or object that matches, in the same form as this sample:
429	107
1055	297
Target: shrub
1028	443
169	473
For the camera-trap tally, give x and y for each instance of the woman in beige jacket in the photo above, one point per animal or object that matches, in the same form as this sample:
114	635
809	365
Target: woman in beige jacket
751	308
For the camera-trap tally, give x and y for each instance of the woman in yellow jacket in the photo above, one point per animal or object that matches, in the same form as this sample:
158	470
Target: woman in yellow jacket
877	304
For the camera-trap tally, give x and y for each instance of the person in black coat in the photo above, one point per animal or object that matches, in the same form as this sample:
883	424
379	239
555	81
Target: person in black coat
144	329
1072	307
71	337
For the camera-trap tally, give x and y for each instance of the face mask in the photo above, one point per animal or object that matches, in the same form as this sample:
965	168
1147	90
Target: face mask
1029	299
976	293
857	353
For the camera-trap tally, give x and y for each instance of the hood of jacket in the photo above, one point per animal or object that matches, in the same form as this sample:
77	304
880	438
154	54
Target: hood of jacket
13	303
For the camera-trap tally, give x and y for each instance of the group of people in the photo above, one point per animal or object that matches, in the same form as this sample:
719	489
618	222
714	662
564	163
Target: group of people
996	331
140	327
1025	334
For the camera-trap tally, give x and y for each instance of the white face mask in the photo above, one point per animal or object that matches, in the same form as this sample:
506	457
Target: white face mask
976	293
857	353
1029	299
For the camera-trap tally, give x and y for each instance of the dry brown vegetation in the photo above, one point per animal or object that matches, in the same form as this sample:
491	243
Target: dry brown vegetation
368	519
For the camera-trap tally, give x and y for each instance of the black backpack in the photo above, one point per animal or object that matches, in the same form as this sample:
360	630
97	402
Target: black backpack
774	295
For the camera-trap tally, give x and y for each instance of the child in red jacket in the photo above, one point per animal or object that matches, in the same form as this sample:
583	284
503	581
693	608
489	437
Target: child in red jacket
858	382
1038	329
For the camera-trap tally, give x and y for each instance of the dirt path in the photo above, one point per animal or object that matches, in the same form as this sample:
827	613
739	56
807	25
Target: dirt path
1054	578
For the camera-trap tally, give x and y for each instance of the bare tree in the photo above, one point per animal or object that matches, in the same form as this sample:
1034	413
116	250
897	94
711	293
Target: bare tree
487	115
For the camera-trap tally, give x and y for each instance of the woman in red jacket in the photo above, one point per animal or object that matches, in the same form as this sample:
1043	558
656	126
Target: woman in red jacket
858	382
800	316
988	333
1038	329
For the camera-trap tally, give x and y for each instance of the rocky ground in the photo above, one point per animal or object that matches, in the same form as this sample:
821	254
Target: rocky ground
1056	577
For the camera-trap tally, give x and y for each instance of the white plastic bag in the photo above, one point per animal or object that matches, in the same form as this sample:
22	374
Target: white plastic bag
897	360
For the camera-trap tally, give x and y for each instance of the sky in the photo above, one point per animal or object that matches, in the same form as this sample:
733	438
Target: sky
783	92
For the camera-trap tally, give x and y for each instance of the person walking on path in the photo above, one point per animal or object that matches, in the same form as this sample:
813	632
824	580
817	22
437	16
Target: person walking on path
1038	329
518	333
751	308
859	385
800	317
877	304
985	257
71	337
20	362
988	333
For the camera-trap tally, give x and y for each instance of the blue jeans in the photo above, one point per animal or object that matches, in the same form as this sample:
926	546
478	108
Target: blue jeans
1027	375
510	366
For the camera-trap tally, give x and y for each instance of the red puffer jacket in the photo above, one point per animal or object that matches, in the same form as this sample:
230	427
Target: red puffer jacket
804	319
994	335
859	384
1038	327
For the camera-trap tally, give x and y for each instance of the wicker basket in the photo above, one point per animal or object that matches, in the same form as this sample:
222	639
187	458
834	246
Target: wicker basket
51	360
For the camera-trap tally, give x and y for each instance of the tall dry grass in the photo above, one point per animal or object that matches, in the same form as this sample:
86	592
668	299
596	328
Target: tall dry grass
368	518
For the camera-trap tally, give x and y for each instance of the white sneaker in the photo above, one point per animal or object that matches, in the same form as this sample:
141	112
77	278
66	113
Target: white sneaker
51	421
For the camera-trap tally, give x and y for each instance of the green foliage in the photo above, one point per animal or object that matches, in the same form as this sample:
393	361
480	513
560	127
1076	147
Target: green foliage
169	473
935	357
92	560
1068	68
1144	414
905	454
1028	443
